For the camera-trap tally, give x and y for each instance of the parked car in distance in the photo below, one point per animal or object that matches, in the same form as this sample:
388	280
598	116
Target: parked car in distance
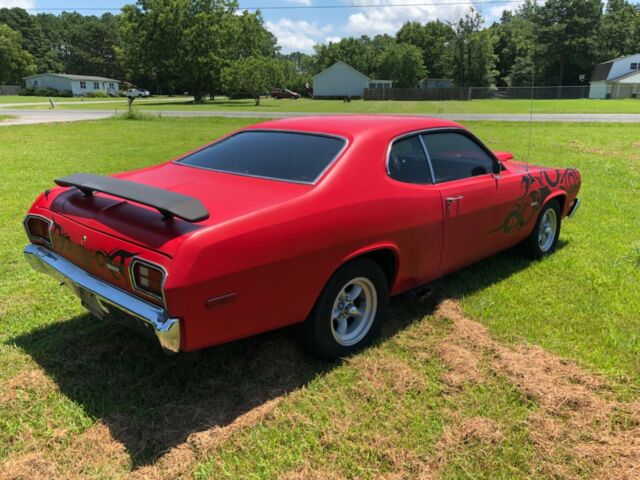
314	221
133	93
144	92
284	93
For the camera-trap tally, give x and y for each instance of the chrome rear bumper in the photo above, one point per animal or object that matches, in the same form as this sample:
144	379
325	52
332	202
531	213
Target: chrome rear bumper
106	301
574	208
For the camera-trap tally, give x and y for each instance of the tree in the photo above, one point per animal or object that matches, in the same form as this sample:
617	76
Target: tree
88	44
403	64
514	44
474	60
566	40
254	75
185	44
619	30
435	40
32	38
15	62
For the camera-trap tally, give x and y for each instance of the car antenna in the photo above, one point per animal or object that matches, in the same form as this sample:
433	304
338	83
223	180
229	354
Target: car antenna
533	80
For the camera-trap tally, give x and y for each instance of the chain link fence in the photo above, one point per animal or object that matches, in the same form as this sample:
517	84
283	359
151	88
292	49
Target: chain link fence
10	89
476	93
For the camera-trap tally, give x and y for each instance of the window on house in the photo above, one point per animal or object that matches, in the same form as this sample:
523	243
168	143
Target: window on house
35	84
83	84
96	85
111	86
634	66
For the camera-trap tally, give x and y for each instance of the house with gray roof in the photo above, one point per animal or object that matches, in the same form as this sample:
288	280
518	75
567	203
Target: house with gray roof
342	80
617	78
78	85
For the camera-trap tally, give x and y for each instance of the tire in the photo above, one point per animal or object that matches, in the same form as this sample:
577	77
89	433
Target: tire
335	333
543	239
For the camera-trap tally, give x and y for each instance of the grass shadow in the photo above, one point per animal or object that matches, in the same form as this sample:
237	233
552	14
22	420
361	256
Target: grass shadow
152	402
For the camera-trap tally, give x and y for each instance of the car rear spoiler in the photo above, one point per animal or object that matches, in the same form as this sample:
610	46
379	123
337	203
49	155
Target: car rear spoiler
169	204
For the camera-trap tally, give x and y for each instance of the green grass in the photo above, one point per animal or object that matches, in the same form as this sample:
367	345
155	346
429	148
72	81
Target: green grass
64	375
34	99
404	107
5	117
80	100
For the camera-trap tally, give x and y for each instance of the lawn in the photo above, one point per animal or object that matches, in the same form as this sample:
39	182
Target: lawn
5	117
4	99
34	99
406	107
546	393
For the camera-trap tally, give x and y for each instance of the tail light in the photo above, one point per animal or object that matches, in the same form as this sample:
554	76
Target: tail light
148	278
38	229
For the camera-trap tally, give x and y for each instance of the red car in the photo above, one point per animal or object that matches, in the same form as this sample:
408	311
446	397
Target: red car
314	220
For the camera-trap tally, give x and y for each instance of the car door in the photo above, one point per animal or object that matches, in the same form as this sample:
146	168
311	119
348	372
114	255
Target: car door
473	194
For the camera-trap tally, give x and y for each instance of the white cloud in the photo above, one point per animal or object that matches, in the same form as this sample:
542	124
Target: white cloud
297	35
306	3
17	3
332	39
389	19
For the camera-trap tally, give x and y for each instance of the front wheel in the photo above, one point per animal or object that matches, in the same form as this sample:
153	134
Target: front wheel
350	311
544	237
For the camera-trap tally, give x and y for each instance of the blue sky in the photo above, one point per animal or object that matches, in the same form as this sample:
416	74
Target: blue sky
301	28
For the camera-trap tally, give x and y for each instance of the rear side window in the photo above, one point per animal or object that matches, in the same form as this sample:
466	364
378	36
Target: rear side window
294	157
455	156
407	161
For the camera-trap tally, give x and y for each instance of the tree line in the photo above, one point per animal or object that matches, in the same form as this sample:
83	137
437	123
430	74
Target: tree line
208	47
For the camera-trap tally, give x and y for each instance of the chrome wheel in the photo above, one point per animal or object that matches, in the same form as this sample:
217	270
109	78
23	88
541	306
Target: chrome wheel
354	310
547	229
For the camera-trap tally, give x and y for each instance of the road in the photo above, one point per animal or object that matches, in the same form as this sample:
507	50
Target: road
25	116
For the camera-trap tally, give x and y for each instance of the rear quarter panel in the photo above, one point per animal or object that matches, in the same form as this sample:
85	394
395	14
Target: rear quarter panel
277	263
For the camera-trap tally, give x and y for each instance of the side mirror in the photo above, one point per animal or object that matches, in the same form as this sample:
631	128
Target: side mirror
503	156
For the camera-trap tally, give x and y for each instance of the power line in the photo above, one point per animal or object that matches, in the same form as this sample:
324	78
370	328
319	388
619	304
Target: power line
314	7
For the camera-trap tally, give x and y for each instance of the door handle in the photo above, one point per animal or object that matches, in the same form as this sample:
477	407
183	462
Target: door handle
450	200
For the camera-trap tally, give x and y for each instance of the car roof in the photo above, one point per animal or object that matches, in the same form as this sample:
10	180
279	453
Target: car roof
353	126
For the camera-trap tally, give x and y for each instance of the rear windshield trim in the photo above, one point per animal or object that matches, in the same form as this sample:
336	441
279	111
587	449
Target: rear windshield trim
300	132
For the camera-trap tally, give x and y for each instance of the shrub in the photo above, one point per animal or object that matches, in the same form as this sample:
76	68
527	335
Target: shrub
100	94
46	92
28	92
66	93
138	115
89	95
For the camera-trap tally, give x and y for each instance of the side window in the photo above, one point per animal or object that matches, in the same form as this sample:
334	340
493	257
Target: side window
455	156
407	162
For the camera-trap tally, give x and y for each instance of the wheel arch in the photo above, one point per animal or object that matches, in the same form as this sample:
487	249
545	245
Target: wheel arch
386	255
561	198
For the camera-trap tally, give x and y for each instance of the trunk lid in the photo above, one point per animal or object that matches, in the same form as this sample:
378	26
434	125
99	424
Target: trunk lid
226	197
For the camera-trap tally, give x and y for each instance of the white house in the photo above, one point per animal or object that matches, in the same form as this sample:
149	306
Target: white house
78	85
617	78
342	80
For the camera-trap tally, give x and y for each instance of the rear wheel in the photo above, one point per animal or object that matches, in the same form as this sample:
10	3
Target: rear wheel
350	311
544	237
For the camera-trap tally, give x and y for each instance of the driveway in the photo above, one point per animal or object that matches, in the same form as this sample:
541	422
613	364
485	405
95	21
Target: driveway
24	116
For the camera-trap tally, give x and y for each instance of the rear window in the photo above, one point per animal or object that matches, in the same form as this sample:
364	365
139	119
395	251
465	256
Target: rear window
294	157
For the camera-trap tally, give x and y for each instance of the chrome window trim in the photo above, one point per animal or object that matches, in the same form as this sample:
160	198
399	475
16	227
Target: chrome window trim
428	157
132	279
300	132
422	131
49	242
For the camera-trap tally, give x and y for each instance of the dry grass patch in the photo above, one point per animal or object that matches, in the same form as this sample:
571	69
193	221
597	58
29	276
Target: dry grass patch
384	372
183	458
575	431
